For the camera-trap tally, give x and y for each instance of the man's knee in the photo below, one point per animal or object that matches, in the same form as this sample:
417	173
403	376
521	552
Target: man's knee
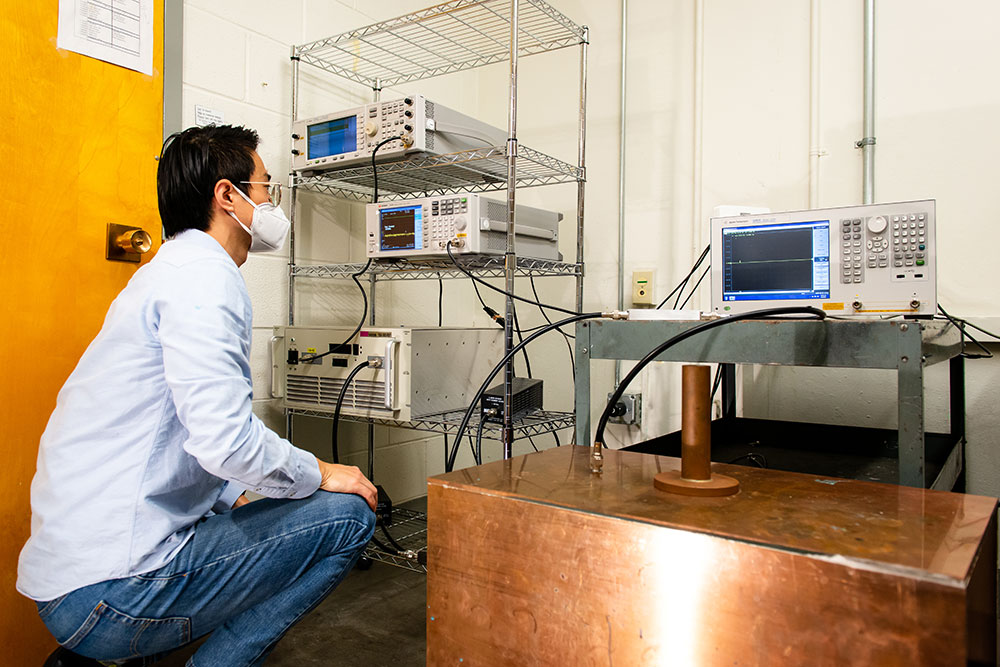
351	514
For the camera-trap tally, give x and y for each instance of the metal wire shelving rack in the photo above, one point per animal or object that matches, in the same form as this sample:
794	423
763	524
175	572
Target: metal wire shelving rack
409	531
484	267
536	422
450	37
477	170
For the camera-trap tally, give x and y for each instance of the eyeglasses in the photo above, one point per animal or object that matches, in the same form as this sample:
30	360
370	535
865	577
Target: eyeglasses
273	190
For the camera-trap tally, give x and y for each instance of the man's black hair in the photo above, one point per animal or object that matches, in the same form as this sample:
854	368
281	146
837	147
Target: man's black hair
191	163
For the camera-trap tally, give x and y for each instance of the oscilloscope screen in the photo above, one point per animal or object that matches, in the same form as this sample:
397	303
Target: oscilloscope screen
776	261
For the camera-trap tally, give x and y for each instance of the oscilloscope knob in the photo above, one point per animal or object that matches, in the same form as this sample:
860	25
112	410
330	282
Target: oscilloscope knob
877	224
371	128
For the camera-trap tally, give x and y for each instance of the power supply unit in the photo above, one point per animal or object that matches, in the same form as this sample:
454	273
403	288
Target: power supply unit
527	397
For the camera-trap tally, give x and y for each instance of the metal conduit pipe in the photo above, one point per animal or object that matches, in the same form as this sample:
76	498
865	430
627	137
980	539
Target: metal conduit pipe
867	143
621	180
582	161
699	230
815	152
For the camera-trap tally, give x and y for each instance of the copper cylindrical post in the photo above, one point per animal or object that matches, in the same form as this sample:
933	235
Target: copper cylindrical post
696	422
695	477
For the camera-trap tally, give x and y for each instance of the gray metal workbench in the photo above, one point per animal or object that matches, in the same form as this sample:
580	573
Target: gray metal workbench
904	346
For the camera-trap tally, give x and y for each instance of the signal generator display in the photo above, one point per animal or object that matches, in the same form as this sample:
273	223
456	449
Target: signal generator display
332	137
473	224
415	124
874	260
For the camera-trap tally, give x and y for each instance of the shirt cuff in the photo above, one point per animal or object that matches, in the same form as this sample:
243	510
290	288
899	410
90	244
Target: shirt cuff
227	497
309	479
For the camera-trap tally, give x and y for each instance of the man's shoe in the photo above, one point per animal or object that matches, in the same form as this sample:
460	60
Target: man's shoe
63	657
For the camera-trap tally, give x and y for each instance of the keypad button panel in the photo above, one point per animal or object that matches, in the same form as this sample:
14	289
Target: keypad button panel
903	242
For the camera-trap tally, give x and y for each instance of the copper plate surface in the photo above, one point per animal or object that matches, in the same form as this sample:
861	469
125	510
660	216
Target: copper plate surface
536	561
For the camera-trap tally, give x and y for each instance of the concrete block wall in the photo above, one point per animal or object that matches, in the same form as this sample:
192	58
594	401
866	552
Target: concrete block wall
753	148
745	141
236	61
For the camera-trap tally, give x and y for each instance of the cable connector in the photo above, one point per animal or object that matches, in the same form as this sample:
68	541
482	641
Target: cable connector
597	458
615	314
494	315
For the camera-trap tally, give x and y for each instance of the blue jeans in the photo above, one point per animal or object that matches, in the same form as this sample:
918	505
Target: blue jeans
246	577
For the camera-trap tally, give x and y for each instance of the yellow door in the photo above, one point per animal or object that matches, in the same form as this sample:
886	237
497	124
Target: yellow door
78	141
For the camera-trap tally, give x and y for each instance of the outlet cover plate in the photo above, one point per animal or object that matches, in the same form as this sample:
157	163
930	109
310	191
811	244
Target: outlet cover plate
633	410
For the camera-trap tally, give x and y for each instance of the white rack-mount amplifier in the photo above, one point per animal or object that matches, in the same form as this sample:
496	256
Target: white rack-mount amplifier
413	372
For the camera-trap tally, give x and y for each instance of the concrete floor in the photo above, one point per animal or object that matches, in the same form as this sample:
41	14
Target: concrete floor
375	617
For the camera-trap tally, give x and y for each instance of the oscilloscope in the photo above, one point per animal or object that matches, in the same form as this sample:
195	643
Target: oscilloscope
871	260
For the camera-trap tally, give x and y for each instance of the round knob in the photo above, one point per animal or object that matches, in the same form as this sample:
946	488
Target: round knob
371	128
460	224
136	241
877	224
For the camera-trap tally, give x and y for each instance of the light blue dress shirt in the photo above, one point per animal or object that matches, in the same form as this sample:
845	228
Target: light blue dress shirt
154	428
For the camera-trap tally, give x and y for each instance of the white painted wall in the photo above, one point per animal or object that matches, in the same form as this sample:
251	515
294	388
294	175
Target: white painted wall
937	137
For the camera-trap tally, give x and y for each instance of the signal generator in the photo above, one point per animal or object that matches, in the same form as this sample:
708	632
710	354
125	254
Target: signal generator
872	260
474	224
348	137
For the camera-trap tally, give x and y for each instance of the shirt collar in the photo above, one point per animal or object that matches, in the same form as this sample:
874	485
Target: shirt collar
200	239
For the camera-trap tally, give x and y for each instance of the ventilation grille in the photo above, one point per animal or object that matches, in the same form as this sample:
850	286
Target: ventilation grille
493	241
490	241
321	392
429	114
495	210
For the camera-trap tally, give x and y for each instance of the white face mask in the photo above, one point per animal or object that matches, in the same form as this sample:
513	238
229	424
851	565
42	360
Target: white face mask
269	226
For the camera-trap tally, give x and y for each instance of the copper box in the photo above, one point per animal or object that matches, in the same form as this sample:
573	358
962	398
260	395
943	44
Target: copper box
536	561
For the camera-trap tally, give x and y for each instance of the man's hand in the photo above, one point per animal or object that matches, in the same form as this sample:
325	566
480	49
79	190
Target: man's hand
346	479
241	501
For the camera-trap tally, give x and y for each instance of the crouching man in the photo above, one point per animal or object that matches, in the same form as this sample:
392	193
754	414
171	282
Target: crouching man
141	540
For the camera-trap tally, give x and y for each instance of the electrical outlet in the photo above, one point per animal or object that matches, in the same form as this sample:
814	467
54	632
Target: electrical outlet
629	410
642	288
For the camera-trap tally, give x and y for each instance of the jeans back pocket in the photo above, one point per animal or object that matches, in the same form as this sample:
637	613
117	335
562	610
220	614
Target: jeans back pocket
110	634
45	609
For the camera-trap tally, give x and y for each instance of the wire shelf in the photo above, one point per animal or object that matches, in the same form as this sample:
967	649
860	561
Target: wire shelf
534	423
484	266
409	530
449	37
477	170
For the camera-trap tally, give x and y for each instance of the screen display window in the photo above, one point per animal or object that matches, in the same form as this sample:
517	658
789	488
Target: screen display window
401	228
776	261
332	137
